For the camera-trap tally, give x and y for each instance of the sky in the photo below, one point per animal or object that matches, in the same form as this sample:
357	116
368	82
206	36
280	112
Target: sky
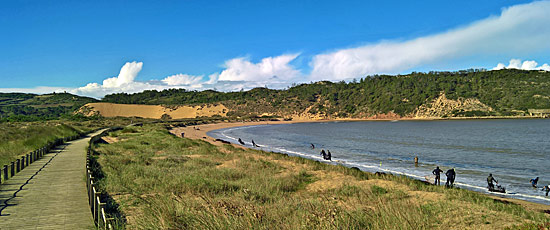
94	48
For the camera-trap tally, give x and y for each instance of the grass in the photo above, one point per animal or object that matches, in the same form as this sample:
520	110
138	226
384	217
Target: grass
20	138
160	181
17	139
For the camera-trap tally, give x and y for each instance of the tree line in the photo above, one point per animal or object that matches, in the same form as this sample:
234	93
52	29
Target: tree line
507	91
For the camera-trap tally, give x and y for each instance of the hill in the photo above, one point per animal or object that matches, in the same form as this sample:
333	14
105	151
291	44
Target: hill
467	93
33	107
151	111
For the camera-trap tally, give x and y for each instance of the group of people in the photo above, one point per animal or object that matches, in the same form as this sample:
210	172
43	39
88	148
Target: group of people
242	142
326	155
451	175
491	181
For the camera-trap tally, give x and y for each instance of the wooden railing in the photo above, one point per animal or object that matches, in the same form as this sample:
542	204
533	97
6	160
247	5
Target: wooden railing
8	171
97	207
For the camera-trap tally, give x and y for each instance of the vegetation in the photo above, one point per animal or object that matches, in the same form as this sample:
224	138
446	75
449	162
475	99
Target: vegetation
20	138
160	181
32	107
508	92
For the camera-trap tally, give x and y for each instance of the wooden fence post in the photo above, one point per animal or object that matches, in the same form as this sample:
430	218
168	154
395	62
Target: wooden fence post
5	172
95	198
102	217
22	163
12	169
18	168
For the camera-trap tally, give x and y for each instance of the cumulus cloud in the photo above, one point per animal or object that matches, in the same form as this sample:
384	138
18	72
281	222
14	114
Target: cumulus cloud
239	74
518	29
127	74
268	70
526	65
125	82
182	79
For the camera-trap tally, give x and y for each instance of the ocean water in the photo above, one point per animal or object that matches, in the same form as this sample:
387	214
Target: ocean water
514	151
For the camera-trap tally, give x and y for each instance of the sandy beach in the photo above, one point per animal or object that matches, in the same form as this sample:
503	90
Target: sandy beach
200	132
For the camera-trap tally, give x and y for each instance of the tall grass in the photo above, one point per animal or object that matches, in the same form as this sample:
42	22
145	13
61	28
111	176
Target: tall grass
17	139
20	138
163	182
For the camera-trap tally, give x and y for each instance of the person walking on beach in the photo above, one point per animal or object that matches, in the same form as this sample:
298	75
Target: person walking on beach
534	182
329	156
451	174
490	180
547	189
437	172
324	154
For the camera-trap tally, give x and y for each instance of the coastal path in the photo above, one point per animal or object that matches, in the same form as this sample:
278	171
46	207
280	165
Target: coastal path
50	193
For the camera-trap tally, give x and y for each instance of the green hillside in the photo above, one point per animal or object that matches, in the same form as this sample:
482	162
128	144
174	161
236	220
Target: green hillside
507	92
33	107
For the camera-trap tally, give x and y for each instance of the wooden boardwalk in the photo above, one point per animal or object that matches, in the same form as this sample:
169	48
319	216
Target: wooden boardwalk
50	193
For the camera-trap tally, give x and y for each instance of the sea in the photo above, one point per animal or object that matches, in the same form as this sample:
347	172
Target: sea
513	150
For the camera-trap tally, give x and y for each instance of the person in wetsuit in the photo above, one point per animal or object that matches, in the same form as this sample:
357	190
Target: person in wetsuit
324	154
534	182
312	146
329	156
490	180
254	144
437	172
451	174
547	189
241	141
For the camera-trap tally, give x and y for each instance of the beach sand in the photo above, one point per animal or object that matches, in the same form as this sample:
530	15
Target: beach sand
199	132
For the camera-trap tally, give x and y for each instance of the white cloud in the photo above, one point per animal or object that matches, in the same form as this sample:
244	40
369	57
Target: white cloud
127	74
269	70
125	82
518	29
526	65
182	79
213	78
239	74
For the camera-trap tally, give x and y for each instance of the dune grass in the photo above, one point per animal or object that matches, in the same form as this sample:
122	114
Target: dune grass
20	138
160	181
17	139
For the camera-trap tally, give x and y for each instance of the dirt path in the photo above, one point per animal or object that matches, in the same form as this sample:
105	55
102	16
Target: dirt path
50	193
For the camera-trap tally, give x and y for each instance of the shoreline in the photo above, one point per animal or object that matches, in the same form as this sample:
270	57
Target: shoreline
200	132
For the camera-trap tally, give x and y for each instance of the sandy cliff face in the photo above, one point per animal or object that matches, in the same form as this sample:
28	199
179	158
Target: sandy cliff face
443	107
151	111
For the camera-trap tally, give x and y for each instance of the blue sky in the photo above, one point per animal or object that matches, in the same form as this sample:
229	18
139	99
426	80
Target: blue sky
98	47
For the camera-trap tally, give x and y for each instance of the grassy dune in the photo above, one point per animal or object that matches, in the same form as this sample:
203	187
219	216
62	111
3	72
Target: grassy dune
20	138
160	181
17	138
